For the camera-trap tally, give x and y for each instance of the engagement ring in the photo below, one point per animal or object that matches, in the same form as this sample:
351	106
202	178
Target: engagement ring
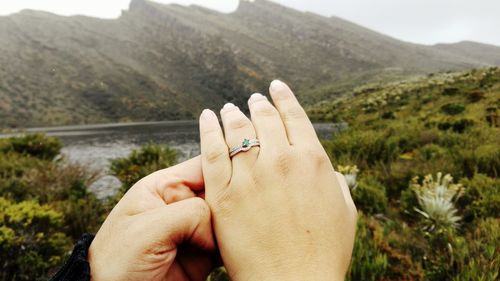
246	145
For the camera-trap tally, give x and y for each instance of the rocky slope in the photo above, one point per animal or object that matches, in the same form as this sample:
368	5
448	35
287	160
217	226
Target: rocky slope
158	62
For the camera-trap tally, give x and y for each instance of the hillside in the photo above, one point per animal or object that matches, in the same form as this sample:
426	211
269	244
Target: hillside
439	133
158	62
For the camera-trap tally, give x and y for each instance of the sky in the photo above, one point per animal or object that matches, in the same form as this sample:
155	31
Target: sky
418	21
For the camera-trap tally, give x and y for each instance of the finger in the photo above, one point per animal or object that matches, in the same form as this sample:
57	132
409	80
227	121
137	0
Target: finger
238	127
186	221
216	164
298	126
165	186
178	182
189	171
267	123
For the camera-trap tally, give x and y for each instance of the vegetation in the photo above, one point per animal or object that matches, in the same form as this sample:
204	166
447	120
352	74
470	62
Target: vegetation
44	207
428	152
141	163
424	178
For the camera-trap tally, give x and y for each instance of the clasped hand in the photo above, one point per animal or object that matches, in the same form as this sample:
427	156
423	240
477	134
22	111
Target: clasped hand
275	212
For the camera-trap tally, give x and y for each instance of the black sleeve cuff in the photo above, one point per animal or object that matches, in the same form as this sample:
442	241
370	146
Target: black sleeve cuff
77	267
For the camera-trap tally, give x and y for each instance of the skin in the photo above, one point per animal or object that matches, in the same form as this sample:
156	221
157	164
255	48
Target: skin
280	212
159	230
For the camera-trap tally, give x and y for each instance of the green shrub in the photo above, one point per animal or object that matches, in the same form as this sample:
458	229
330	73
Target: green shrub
367	147
388	115
484	159
13	168
36	145
453	108
369	263
481	198
430	152
82	215
458	126
476	256
451	91
475	96
23	177
408	202
369	196
31	241
142	162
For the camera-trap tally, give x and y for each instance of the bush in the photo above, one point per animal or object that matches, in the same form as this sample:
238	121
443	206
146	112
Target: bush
364	147
142	162
451	91
484	159
31	243
388	115
82	215
453	108
475	96
458	126
430	152
481	198
476	256
13	169
369	263
369	196
35	145
25	177
408	202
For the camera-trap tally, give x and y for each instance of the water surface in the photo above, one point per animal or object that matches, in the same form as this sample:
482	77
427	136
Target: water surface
95	145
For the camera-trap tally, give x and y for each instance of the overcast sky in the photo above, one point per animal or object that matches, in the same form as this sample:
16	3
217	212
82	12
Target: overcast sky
419	21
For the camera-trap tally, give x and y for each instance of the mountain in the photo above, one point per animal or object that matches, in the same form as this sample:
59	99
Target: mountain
158	62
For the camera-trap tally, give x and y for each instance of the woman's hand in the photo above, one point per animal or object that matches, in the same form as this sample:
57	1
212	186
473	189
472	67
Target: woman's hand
140	239
280	212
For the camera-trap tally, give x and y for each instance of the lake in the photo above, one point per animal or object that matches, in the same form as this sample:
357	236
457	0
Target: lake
95	145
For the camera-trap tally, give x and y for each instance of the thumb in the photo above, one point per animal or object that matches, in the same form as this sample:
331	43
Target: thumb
183	221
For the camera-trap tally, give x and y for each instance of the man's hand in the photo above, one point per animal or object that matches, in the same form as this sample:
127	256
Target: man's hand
140	239
280	212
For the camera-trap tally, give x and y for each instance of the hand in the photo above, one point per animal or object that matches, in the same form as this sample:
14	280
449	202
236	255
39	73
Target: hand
140	239
280	212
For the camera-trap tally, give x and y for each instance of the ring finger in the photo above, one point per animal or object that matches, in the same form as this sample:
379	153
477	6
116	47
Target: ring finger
237	128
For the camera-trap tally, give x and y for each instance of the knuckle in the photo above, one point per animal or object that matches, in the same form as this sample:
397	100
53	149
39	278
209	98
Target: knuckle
264	109
200	207
283	161
215	153
294	113
317	156
207	131
238	123
220	203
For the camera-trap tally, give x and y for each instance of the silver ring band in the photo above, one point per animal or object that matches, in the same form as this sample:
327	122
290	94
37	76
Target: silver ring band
245	146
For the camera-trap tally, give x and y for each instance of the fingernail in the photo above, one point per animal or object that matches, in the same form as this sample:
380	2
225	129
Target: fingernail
277	85
255	97
228	106
207	114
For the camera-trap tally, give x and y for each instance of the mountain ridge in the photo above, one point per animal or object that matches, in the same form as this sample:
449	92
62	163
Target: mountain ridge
158	61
